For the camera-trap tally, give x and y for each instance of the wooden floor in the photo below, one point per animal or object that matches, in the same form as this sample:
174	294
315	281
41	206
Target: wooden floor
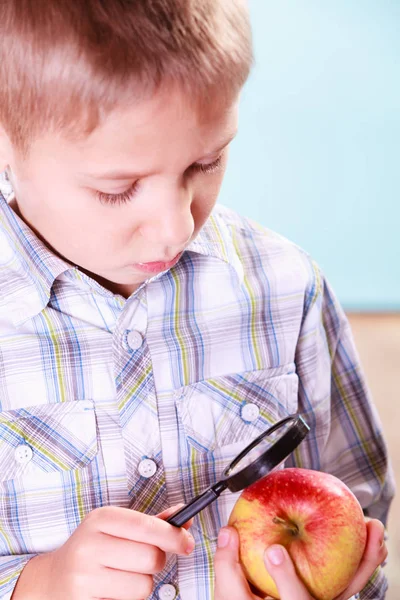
378	342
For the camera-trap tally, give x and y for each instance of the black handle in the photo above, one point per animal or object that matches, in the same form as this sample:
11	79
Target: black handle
195	506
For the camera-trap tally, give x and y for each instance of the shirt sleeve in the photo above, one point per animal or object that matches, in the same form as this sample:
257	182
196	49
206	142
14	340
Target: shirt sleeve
346	436
10	570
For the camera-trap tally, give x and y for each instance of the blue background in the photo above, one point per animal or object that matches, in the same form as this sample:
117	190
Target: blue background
317	157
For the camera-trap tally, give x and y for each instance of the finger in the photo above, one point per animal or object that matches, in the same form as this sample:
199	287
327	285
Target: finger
119	585
125	555
374	555
165	514
230	581
138	527
281	569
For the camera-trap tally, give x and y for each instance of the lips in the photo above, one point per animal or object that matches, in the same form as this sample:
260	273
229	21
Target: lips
157	266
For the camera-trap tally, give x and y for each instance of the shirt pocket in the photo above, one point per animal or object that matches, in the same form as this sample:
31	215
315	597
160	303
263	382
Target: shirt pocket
47	438
219	417
47	478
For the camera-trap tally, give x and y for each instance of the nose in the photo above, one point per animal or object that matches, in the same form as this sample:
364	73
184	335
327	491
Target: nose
170	224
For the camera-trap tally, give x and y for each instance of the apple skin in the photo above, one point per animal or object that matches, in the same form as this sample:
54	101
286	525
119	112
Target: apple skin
315	516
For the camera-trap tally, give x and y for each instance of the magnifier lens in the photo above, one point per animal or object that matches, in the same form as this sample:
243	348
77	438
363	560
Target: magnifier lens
254	453
264	453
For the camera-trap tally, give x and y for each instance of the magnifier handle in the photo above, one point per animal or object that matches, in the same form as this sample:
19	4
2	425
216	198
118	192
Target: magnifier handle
195	506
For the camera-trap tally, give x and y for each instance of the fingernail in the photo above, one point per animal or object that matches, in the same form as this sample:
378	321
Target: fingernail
223	538
275	555
191	544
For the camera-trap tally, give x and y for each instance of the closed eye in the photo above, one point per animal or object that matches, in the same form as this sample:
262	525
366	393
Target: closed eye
127	195
120	198
208	168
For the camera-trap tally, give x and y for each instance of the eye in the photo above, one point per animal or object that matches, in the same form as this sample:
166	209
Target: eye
208	168
127	195
121	198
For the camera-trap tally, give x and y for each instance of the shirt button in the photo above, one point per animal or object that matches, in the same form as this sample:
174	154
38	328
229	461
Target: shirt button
23	454
134	339
250	412
147	468
167	592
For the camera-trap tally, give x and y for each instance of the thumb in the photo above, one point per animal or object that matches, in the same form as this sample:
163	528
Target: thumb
230	581
281	568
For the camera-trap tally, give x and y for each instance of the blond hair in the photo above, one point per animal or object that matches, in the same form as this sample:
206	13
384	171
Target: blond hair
66	63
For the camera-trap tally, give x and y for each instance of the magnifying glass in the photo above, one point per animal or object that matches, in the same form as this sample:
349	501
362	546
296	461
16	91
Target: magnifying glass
262	455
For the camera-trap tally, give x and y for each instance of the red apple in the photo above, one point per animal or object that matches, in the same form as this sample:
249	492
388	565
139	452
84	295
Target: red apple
315	516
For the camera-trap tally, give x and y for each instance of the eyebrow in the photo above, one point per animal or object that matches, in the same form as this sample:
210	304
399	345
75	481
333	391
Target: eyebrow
126	175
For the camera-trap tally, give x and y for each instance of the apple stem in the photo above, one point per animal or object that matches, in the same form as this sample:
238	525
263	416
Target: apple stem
290	527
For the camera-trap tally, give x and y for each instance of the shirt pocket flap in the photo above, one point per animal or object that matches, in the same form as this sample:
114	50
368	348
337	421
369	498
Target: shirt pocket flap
47	438
227	409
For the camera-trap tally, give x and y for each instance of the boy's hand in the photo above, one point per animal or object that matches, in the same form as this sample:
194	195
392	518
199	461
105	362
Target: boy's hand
113	554
231	584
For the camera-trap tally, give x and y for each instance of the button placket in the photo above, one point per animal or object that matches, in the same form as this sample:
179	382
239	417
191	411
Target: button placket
138	405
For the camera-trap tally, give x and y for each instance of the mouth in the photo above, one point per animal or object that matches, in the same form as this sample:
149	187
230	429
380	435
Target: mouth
157	266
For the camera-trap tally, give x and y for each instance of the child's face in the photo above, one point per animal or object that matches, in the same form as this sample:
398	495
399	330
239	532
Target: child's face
137	190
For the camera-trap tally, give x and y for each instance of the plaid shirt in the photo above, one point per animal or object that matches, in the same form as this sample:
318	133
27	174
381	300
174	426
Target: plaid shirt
142	402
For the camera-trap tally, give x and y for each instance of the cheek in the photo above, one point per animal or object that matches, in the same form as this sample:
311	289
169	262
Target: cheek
205	197
201	210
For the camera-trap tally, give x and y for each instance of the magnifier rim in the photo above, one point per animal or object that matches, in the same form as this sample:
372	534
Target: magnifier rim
268	459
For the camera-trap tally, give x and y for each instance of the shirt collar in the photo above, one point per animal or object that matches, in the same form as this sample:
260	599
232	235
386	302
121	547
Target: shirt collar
215	240
28	268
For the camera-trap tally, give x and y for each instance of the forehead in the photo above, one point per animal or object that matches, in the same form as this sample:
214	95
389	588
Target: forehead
155	133
168	120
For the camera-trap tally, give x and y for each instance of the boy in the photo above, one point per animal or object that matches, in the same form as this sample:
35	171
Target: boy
146	336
